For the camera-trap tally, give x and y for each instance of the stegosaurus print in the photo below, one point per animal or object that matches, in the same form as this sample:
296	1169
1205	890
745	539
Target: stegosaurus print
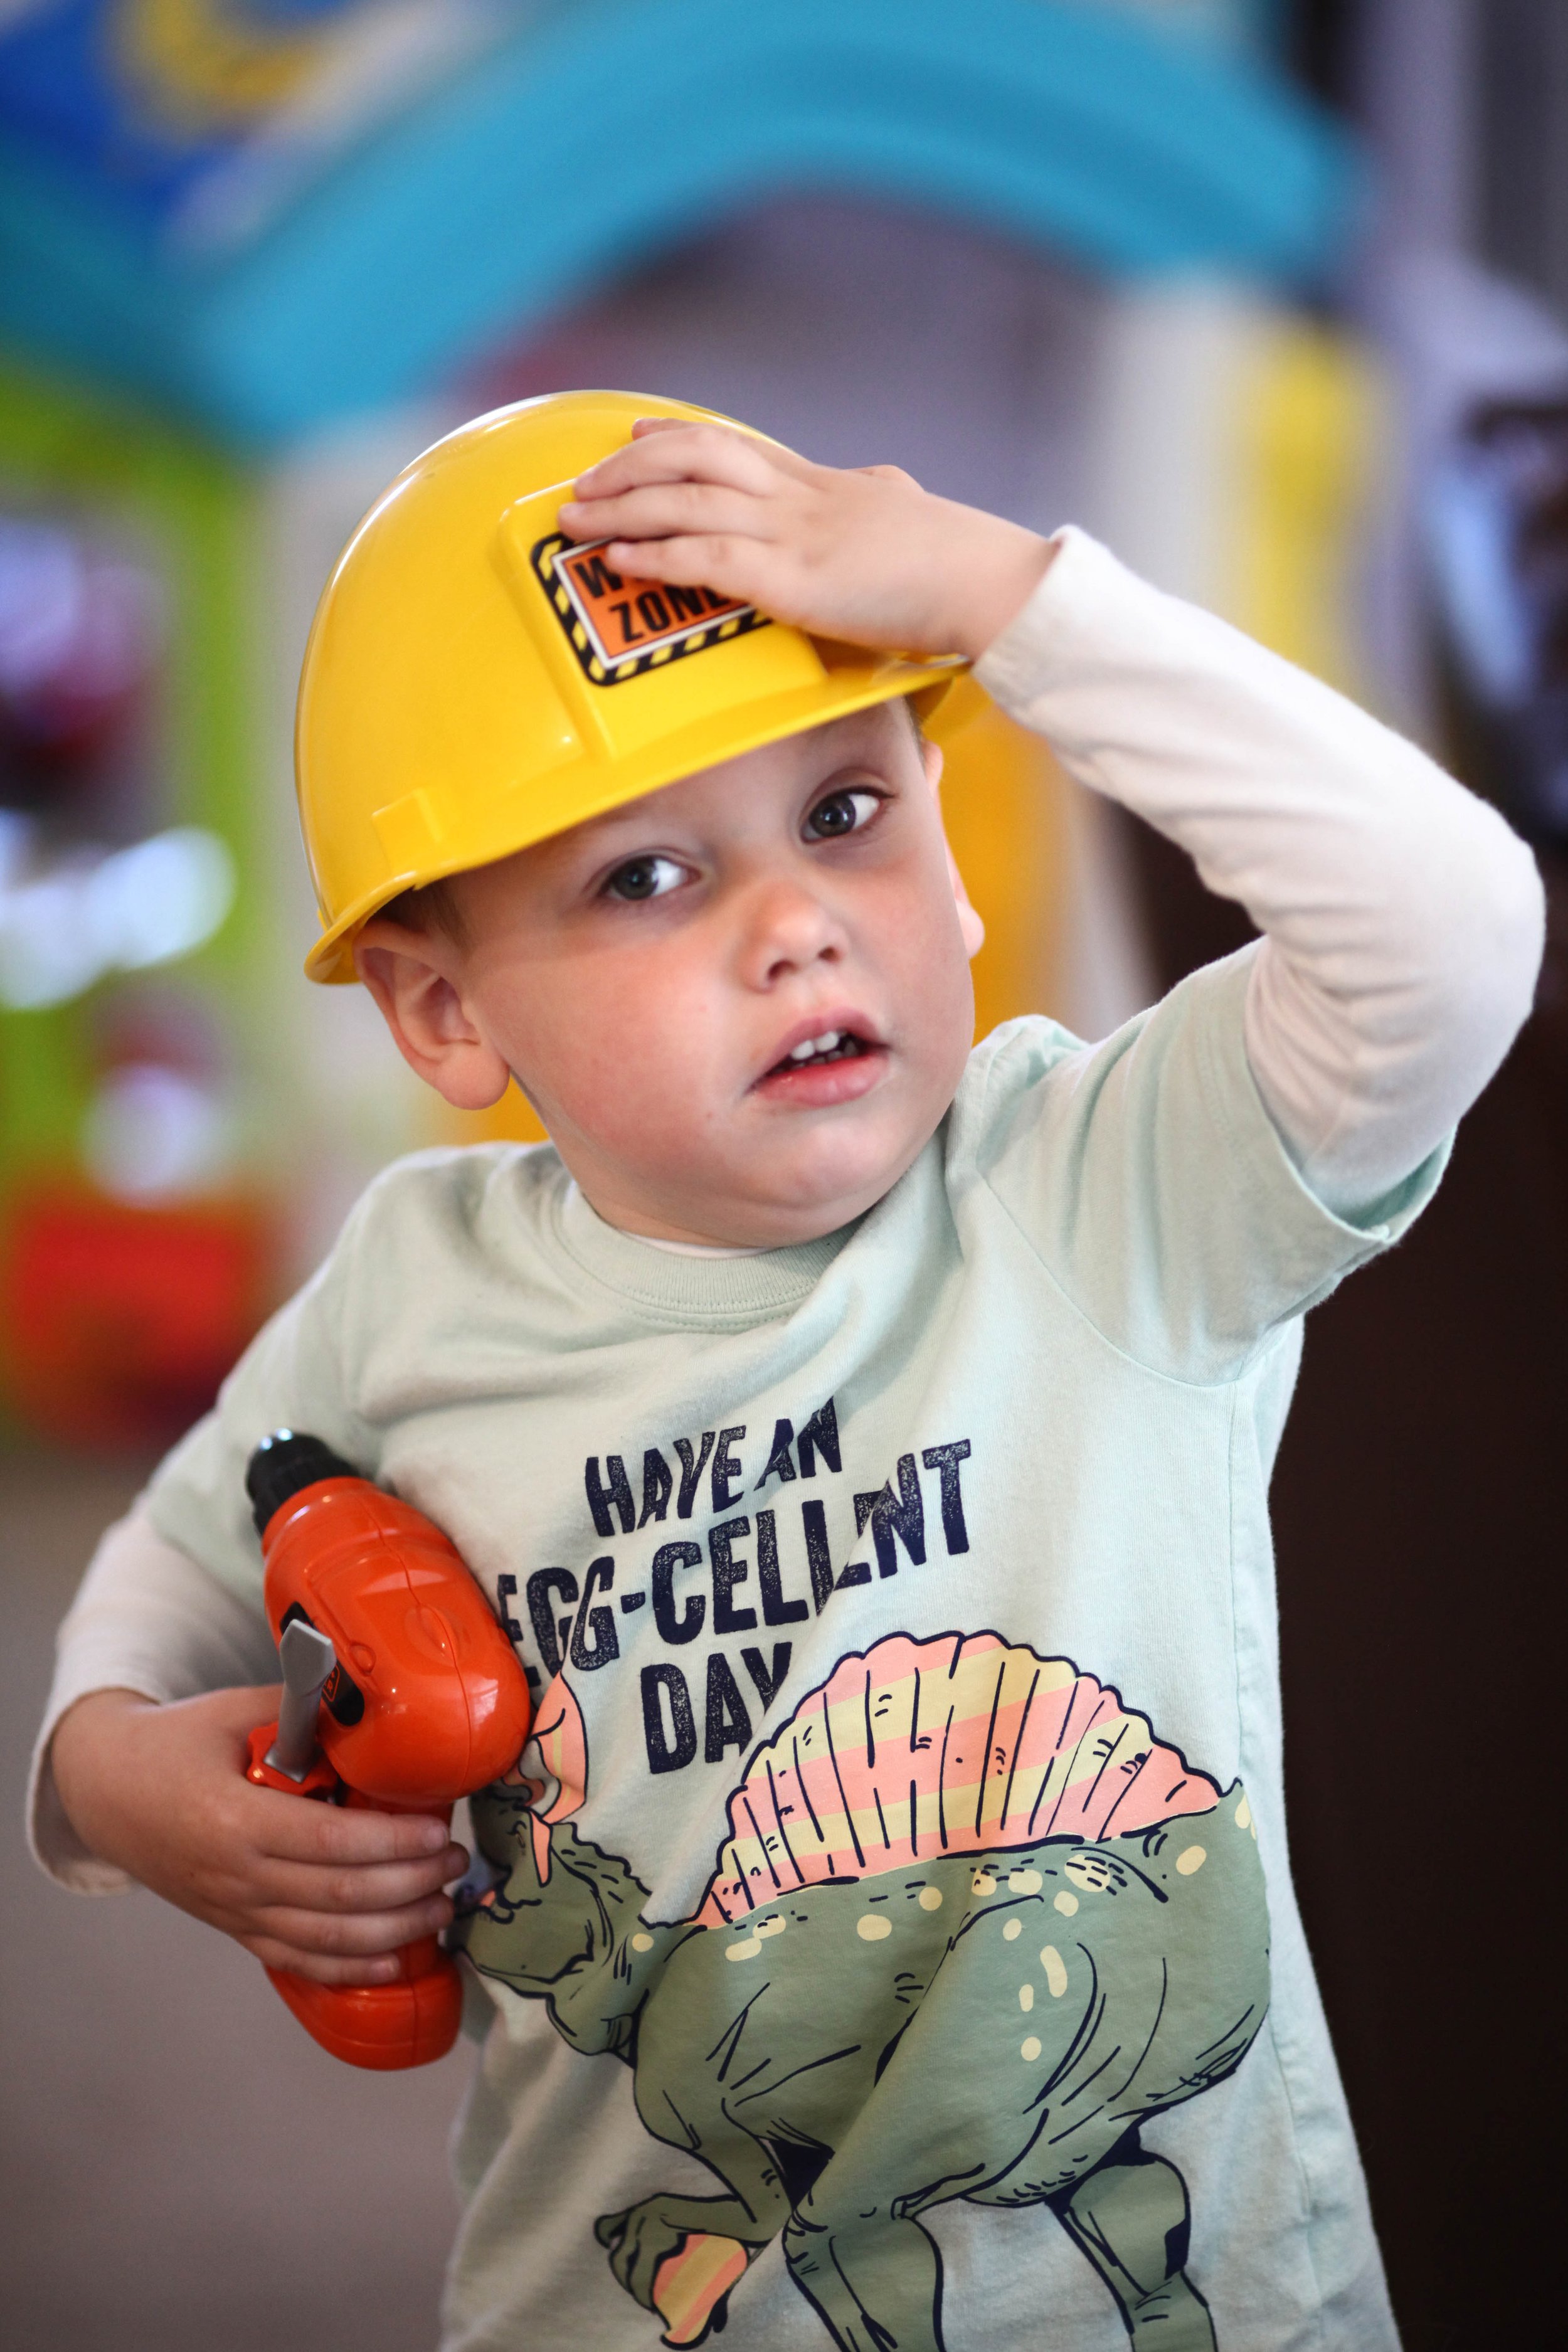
973	1927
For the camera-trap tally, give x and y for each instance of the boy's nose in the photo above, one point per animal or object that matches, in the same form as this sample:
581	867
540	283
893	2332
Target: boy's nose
786	930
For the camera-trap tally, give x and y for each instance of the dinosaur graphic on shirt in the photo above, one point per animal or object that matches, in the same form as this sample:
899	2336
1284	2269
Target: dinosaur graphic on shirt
972	1928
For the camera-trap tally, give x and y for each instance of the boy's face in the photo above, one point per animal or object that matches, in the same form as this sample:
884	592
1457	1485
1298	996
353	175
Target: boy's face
656	977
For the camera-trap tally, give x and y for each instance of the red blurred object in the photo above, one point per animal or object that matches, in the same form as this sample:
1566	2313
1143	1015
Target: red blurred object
425	1703
118	1321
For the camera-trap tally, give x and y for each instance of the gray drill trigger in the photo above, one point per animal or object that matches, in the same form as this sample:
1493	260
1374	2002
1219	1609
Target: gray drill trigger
308	1658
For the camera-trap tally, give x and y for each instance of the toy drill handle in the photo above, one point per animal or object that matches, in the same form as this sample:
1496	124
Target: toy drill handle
409	2022
340	1553
413	2020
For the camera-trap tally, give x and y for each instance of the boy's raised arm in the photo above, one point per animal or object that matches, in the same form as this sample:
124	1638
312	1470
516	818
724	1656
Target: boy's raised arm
1403	918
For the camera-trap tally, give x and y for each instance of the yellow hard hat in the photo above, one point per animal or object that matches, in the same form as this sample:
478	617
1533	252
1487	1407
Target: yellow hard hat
474	681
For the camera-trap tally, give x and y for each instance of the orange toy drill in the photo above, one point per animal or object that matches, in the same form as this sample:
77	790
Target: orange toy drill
401	1693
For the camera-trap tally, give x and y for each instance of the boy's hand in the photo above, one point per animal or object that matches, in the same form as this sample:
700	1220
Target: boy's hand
865	555
161	1792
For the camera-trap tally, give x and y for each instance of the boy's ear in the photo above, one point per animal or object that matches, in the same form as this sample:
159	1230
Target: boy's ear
969	923
415	978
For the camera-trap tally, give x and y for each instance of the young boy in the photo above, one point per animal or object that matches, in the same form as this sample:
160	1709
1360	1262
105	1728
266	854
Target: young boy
863	1438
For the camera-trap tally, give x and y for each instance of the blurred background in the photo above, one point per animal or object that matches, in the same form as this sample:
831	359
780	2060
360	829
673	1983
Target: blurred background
1274	299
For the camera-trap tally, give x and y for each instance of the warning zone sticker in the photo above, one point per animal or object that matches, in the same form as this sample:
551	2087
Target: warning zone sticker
619	627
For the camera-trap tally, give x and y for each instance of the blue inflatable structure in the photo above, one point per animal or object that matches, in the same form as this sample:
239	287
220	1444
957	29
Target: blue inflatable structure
572	141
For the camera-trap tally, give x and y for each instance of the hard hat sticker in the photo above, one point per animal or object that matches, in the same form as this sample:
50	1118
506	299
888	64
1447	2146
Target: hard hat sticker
619	627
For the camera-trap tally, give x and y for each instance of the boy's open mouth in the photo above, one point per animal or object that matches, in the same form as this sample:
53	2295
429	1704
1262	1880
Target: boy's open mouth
833	1063
832	1046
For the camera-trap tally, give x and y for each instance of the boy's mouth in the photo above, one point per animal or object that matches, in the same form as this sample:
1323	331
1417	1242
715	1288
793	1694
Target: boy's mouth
830	1064
833	1046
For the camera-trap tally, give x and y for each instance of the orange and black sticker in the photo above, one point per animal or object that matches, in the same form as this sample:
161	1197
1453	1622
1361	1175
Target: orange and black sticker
619	627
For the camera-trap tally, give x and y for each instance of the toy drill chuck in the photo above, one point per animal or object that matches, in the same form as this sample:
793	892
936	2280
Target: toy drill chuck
401	1693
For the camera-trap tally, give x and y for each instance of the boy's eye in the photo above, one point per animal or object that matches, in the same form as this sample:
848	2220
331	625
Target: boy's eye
842	813
645	877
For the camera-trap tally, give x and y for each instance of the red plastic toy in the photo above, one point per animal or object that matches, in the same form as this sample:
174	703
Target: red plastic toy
401	1692
118	1321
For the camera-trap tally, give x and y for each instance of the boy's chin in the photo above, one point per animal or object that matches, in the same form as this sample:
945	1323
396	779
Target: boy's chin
803	1199
763	1184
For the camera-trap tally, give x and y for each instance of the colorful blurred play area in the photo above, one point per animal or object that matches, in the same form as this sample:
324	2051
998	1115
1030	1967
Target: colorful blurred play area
1273	297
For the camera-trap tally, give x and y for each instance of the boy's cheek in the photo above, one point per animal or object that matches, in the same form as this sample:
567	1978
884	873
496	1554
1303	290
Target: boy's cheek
615	1073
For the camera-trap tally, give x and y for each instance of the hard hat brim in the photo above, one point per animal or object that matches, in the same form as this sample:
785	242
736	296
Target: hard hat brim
484	832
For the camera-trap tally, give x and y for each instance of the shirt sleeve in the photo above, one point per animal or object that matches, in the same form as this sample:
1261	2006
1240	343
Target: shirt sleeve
172	1603
291	1377
1153	1184
146	1619
1403	920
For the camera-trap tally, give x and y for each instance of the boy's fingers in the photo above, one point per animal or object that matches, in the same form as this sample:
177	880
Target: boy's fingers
777	452
706	560
663	509
273	1953
289	1831
697	453
230	1716
373	1886
349	1935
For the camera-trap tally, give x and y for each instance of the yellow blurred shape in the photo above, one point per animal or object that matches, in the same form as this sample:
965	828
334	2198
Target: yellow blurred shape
200	66
513	1119
1310	430
1003	799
